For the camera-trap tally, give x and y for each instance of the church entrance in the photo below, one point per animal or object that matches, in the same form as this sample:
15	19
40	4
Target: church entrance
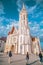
24	48
12	47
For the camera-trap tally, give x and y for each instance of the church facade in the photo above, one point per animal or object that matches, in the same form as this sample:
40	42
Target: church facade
20	41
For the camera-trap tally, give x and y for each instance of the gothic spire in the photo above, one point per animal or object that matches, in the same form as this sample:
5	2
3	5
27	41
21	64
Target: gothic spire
23	6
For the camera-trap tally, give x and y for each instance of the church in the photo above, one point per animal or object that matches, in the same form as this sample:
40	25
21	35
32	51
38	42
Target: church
20	40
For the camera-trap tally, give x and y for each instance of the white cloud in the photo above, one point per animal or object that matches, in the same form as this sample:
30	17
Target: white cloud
19	10
31	9
41	23
1	19
41	35
37	15
18	3
29	23
8	27
2	30
39	1
5	29
1	27
41	30
14	23
35	28
1	8
11	24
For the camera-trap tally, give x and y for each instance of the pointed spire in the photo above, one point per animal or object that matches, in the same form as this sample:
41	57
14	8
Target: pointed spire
23	6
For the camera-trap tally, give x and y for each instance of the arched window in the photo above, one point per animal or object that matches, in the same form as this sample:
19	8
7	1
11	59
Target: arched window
24	17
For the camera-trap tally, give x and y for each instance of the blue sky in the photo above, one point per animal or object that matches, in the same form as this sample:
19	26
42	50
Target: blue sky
9	16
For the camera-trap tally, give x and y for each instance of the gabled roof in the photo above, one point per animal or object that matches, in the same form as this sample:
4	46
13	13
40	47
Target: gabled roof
12	30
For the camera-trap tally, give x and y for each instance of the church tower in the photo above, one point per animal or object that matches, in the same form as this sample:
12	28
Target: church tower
24	44
20	41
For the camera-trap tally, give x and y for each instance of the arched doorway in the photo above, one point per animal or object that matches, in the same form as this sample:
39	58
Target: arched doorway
24	48
12	48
